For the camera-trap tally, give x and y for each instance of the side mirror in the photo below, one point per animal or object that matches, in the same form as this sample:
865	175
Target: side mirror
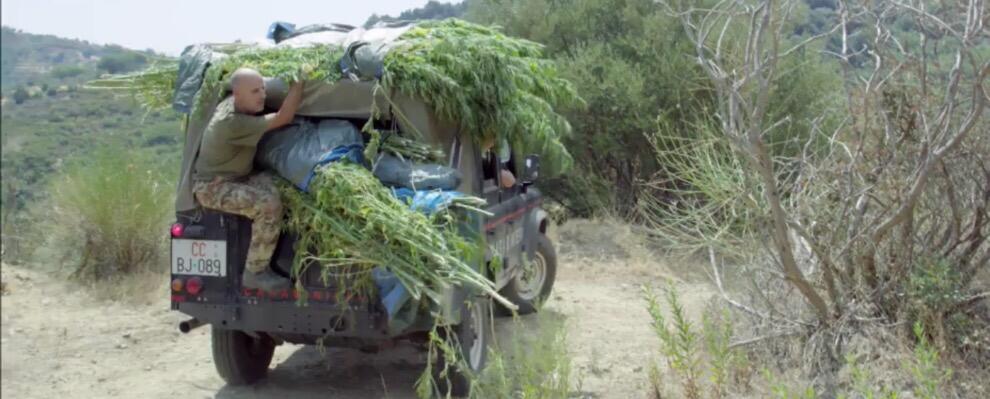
531	169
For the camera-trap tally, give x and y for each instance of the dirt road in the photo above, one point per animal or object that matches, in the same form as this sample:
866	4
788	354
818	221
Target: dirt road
58	340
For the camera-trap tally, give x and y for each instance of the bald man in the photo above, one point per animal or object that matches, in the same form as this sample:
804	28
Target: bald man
223	178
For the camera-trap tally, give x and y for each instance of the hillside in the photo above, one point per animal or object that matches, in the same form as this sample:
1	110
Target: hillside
48	120
35	60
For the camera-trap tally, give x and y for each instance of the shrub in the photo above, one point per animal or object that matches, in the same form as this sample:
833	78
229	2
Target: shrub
110	211
120	62
67	71
21	95
537	367
694	355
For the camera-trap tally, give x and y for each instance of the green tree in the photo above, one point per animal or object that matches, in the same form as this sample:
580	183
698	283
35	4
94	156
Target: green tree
120	62
627	61
20	95
67	71
634	65
432	10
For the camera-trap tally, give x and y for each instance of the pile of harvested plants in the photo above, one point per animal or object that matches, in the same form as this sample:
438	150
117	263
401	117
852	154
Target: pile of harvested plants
350	223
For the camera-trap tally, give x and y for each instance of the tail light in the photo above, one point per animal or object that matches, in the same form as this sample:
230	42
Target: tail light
194	286
177	285
177	230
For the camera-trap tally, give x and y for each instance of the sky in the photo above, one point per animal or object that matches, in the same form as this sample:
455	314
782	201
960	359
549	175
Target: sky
170	25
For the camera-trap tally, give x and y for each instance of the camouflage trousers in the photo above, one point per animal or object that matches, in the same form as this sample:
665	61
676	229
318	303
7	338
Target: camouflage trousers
254	197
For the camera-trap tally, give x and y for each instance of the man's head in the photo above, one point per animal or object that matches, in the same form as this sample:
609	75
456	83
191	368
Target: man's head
249	91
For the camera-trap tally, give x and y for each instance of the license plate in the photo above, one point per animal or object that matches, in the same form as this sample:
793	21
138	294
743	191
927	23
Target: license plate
199	257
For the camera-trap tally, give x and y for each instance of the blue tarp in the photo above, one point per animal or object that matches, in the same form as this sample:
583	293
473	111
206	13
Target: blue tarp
353	153
279	31
393	294
426	201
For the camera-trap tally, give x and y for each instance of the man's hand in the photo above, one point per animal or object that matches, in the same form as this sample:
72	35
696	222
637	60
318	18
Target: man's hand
305	71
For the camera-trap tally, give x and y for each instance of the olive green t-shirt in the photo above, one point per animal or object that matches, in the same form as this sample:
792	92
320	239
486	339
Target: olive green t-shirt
229	143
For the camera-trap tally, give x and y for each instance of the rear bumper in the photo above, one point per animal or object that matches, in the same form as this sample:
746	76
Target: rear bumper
289	318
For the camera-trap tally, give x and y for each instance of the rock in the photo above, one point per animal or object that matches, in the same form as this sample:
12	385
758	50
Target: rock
122	346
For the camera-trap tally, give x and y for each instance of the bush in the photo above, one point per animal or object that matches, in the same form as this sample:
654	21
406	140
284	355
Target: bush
21	95
111	211
530	366
876	222
700	359
634	65
67	71
121	62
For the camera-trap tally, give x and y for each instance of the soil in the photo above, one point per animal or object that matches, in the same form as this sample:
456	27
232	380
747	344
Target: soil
62	340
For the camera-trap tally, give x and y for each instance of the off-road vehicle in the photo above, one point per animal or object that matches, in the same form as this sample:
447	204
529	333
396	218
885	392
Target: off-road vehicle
208	251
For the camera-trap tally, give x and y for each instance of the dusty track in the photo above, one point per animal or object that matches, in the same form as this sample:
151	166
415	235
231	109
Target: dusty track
60	341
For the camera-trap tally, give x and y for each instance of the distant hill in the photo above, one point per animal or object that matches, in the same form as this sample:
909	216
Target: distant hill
35	60
49	120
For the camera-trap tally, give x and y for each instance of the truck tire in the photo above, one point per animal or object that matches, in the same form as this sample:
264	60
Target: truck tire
241	359
531	288
474	337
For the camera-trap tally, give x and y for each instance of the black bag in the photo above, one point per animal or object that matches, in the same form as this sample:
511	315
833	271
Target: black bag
395	172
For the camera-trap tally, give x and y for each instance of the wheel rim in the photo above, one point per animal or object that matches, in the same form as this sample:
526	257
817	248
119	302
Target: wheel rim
529	283
477	344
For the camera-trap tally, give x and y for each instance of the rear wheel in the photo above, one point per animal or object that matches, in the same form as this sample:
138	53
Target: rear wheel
473	336
532	285
240	358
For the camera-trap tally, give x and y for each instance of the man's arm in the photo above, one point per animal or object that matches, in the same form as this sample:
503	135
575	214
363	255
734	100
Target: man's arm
288	109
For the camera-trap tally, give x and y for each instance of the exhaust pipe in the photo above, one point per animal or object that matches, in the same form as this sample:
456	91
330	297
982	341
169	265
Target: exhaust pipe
189	325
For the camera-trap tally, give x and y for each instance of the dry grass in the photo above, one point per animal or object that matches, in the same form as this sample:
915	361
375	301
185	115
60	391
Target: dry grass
108	216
